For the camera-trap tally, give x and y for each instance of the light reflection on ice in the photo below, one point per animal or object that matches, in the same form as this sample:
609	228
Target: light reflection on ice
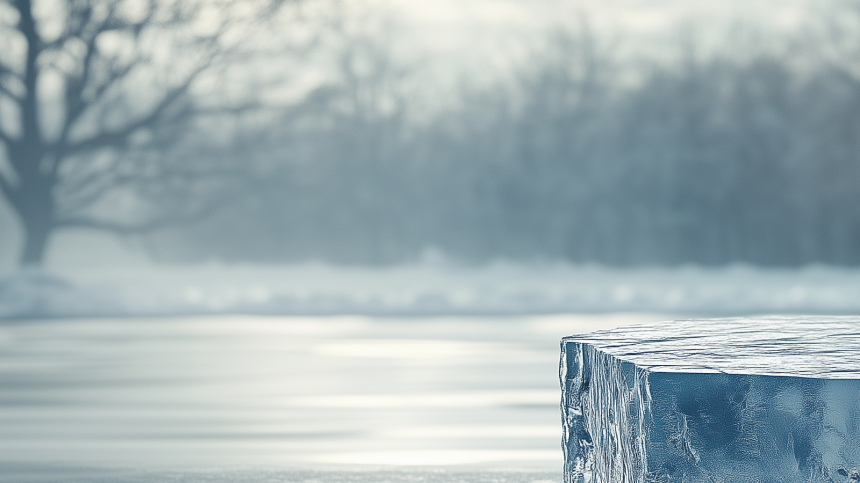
284	392
438	457
464	399
446	350
468	431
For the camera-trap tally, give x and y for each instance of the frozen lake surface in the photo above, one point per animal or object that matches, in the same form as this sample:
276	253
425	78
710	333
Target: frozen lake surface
306	399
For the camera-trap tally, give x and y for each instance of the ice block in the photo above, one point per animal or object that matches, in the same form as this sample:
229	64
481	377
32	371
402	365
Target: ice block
768	399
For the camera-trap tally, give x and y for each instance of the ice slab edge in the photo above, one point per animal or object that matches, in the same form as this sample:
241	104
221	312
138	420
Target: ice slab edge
626	422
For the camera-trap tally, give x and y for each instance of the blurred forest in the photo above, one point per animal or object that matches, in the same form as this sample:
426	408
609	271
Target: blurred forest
743	151
748	152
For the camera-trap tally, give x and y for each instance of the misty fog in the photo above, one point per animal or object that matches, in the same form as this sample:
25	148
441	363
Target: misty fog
370	140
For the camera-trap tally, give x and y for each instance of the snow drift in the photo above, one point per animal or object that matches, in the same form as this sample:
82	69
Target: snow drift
426	288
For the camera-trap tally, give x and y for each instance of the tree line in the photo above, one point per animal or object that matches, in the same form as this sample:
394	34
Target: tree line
749	154
712	158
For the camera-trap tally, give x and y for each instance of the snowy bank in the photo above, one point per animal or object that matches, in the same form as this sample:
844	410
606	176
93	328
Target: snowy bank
427	288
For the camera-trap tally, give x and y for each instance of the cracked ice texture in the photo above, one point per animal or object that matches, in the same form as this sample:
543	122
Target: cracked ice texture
769	399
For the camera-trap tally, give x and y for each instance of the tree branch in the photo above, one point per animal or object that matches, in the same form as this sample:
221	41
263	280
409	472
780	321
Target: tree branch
91	184
152	224
6	138
89	31
5	188
4	89
76	106
119	138
26	157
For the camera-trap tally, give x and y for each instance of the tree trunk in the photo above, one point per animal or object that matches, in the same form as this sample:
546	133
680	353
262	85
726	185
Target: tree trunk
34	205
37	233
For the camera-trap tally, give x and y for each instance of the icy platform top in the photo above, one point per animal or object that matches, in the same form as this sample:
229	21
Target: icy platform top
820	347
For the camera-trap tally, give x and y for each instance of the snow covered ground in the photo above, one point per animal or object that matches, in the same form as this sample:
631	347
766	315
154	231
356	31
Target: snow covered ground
429	288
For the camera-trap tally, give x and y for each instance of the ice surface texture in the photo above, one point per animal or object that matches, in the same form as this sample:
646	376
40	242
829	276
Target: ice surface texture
723	400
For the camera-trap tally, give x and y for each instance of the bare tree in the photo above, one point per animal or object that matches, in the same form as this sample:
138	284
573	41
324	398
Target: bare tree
92	95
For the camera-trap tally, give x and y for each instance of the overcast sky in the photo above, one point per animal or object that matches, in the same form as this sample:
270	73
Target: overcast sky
472	31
